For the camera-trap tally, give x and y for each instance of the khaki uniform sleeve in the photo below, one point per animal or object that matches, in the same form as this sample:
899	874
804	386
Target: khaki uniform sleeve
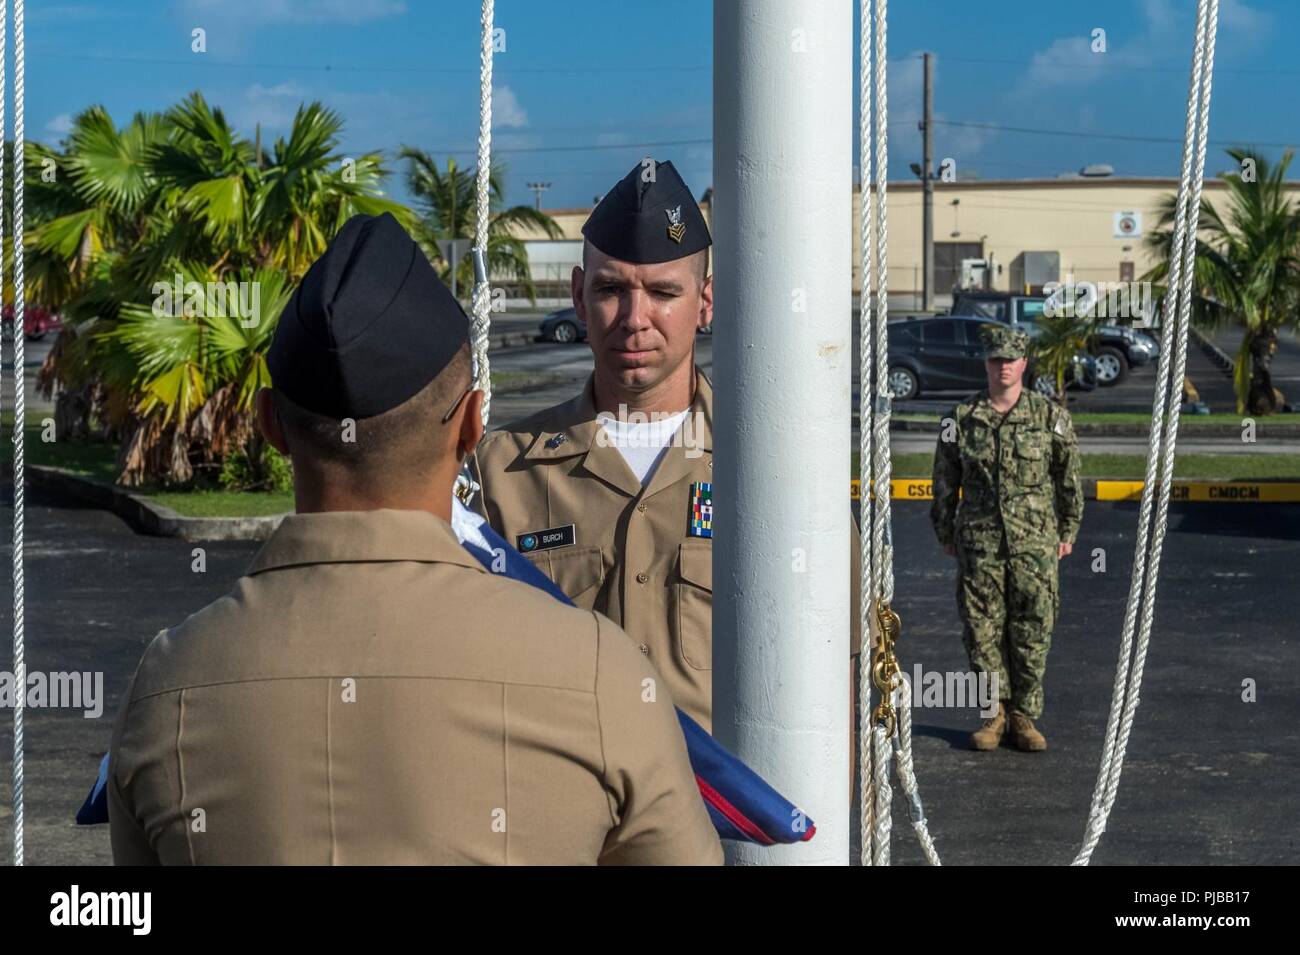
946	482
658	814
1066	476
129	839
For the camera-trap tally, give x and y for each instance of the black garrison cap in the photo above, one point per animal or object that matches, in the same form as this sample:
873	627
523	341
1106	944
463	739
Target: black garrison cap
648	217
369	327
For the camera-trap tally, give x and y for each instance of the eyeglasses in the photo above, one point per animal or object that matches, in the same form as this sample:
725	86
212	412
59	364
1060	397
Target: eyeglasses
463	395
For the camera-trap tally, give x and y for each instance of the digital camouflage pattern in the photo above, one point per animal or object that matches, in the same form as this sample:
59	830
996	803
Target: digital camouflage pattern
1003	341
1020	494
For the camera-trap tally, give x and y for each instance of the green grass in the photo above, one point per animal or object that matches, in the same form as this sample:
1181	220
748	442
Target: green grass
1238	467
224	503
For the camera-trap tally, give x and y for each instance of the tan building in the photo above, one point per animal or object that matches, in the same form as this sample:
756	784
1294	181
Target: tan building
1095	229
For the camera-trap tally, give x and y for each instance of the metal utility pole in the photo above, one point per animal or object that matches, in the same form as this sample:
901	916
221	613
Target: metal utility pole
927	188
782	158
539	188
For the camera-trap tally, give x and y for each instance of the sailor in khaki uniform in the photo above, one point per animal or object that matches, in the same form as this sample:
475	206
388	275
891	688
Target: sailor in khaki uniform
369	693
610	494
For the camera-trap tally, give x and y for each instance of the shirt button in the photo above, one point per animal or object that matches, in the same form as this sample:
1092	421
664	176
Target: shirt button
642	577
645	649
641	506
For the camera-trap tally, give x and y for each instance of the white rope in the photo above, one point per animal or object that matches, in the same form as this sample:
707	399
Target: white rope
865	758
1164	432
882	577
20	412
874	461
884	796
482	294
907	774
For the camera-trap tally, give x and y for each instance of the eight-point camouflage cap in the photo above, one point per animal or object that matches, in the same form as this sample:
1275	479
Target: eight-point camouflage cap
1003	342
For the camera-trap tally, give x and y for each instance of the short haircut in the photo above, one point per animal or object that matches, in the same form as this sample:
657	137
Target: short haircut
701	261
387	449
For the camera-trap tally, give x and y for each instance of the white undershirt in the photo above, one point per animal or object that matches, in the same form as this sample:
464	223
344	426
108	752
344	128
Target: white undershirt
642	444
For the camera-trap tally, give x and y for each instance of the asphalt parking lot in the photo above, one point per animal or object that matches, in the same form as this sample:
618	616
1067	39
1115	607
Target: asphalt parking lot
1209	779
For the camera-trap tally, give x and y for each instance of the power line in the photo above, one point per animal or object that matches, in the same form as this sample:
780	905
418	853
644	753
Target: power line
330	68
1117	137
1110	65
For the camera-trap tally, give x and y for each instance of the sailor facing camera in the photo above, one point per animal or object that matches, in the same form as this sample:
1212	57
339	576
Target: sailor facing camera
369	693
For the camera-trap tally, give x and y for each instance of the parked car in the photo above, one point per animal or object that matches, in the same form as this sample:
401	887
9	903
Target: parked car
37	322
564	326
944	353
1117	349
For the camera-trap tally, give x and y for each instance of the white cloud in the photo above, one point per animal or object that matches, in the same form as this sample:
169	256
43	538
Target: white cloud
60	125
506	110
906	101
294	11
272	106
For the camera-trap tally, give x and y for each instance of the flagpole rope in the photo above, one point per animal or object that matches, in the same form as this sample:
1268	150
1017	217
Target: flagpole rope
1164	433
874	458
20	412
482	293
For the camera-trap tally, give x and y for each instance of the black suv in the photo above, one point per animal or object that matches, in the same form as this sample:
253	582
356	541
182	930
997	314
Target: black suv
944	353
1117	348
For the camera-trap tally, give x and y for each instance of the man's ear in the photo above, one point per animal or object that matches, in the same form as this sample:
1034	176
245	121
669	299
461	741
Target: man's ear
576	278
471	424
268	422
706	303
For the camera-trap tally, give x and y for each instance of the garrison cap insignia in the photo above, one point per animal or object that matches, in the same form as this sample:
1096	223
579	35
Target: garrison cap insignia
555	441
701	510
676	227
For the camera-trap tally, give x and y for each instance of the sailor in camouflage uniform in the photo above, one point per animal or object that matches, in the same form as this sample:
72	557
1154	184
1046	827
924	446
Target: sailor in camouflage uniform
1012	455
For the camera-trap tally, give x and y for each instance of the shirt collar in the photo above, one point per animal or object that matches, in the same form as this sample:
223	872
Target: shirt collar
345	537
573	428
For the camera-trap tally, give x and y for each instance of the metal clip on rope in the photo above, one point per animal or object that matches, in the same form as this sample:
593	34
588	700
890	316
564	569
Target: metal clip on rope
884	667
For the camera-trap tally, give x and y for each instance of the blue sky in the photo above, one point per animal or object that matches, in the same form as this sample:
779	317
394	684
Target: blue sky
622	79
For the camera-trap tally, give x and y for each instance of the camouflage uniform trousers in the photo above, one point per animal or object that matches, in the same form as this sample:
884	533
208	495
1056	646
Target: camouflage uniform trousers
1008	606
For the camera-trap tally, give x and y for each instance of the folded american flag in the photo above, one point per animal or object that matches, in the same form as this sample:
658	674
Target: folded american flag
741	804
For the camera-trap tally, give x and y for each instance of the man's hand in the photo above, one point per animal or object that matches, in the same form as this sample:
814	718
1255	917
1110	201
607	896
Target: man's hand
950	550
1064	549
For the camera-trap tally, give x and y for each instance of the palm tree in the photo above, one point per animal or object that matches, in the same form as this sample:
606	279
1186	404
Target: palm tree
1063	335
179	196
447	203
1247	270
309	190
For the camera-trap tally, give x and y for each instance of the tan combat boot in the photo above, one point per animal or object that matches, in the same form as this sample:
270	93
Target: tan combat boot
989	735
1025	735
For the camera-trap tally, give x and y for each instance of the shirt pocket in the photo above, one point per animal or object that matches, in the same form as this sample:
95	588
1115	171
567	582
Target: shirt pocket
692	613
578	572
1031	459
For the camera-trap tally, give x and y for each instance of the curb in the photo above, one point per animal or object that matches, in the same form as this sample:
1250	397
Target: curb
142	514
1217	356
505	340
156	520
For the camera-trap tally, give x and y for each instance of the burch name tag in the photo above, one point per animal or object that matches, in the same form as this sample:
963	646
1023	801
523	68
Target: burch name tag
564	536
701	510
